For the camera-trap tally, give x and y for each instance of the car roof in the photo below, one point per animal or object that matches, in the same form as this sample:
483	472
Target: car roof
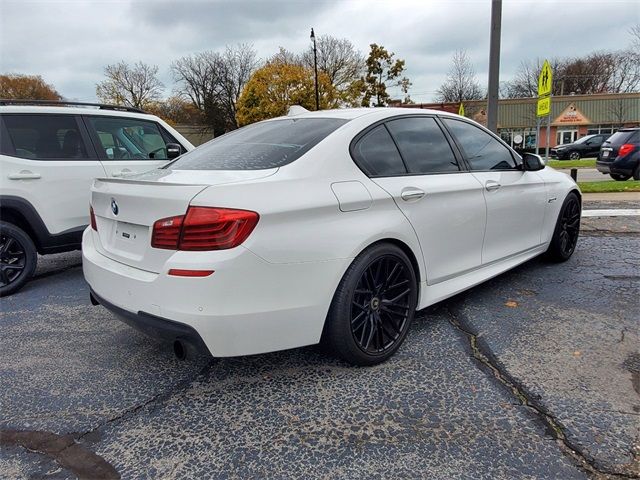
351	113
49	109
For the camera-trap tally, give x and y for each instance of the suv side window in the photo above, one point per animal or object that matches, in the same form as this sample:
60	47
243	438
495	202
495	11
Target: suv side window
423	145
376	154
121	138
483	152
46	137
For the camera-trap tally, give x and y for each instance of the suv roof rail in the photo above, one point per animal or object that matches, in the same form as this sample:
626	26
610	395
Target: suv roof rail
56	103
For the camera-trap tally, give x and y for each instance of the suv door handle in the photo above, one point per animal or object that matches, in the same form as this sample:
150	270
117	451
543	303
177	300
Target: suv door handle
409	194
24	175
491	186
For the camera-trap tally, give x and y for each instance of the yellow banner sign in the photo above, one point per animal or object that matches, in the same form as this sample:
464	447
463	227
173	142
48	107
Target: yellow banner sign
544	106
545	80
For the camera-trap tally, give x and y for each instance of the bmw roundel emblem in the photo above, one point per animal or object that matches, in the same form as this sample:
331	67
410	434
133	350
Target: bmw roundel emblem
114	206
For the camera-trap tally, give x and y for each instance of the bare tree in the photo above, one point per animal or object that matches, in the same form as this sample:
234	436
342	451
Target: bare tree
238	64
525	82
598	72
134	85
343	64
461	82
286	57
635	37
213	82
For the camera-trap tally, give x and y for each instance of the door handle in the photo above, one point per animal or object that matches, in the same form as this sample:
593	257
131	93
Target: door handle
24	175
491	186
409	194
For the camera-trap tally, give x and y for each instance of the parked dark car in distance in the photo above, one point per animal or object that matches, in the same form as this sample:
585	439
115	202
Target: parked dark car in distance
587	146
620	155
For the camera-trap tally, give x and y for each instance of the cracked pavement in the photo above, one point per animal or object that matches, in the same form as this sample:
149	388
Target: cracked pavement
534	374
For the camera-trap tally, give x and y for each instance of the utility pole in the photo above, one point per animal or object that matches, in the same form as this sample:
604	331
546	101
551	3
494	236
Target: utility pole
494	65
315	68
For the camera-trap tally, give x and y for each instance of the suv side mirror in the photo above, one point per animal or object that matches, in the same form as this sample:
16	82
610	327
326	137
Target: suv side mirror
532	162
173	150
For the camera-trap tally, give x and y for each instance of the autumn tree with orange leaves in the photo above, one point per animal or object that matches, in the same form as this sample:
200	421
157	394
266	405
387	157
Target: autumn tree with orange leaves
26	87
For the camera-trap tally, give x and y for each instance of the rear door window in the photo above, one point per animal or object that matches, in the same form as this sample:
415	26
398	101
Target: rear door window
45	137
121	138
259	146
423	145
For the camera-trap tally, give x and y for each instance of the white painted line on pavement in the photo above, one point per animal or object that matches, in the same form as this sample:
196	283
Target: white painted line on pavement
617	212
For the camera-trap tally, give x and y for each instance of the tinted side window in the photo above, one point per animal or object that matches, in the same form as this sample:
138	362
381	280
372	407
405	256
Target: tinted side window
483	152
45	137
377	155
423	146
128	138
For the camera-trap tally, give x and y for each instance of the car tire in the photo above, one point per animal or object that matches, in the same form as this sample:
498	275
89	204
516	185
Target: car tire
574	155
619	178
636	173
565	235
373	306
18	258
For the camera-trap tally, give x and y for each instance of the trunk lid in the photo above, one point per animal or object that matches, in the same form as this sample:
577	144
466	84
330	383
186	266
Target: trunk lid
126	209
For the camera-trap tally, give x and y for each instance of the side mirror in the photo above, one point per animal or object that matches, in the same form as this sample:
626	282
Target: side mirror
532	162
173	150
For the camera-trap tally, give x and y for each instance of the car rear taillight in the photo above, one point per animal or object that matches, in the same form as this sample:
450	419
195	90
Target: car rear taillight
204	228
92	216
625	149
166	232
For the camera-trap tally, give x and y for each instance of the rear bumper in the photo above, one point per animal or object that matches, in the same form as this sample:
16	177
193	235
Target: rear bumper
156	327
247	306
616	167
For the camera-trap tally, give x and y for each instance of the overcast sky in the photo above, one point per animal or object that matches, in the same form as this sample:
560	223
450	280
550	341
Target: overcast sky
70	42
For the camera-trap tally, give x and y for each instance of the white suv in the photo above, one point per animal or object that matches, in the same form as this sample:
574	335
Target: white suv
49	154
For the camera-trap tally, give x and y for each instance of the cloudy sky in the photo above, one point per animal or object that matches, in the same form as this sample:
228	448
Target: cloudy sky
69	42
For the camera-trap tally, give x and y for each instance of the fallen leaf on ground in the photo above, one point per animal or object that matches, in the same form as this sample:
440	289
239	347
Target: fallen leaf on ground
511	304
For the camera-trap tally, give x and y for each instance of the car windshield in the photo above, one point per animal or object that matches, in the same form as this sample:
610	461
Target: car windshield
259	146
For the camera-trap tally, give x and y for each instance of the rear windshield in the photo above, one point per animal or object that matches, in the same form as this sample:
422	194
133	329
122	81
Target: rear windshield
628	136
259	146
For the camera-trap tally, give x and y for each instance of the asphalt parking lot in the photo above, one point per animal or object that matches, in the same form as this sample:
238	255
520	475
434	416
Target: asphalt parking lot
535	374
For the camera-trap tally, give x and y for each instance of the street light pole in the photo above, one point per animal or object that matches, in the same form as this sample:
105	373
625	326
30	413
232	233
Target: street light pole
494	65
315	68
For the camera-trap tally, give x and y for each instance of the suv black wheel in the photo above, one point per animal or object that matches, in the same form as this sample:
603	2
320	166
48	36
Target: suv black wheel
618	177
574	156
373	306
565	235
636	173
18	258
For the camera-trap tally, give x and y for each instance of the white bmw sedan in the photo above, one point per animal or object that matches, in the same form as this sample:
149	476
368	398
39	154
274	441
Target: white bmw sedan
330	226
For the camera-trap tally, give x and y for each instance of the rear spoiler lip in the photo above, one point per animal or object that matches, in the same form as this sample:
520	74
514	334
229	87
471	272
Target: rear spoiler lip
147	182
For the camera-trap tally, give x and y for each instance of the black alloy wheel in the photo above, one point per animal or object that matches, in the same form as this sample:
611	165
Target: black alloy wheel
18	258
380	305
373	306
574	156
565	236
